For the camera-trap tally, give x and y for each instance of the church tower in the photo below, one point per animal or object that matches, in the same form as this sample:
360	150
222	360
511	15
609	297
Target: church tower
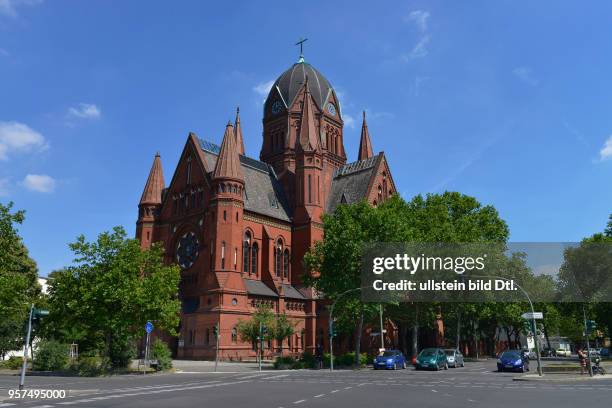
308	164
150	204
228	203
282	120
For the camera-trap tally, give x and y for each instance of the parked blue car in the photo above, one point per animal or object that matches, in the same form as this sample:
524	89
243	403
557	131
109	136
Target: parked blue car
512	360
390	359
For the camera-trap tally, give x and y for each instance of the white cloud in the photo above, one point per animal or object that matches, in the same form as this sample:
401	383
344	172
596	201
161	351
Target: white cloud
263	89
85	111
4	187
349	121
8	8
419	19
40	183
17	137
526	75
606	151
419	50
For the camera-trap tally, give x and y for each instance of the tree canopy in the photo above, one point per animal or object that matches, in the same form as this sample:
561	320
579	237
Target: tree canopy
112	289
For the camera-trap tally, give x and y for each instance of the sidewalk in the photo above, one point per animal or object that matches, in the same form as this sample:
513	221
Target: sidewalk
561	377
199	366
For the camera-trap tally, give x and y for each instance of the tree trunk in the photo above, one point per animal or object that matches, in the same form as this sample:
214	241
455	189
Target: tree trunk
458	338
358	341
415	332
403	331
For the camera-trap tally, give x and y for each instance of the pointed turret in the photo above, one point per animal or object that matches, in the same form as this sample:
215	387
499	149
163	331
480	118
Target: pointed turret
365	145
152	194
228	162
238	132
308	139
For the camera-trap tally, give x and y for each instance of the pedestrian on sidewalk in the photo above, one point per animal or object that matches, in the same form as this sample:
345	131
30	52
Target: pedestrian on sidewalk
582	357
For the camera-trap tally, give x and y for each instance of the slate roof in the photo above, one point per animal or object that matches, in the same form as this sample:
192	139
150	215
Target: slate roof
290	82
291	292
350	182
263	192
258	288
255	287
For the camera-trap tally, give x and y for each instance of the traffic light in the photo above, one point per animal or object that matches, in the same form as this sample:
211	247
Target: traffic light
264	329
528	326
332	330
591	326
216	330
38	314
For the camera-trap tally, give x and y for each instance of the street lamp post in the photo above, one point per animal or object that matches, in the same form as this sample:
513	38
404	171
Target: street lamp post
537	346
331	327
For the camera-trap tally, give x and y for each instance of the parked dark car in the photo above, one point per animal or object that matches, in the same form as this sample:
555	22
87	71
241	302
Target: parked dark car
390	359
512	360
605	352
432	358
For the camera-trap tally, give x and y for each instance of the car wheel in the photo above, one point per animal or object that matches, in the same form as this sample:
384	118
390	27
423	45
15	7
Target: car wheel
500	370
394	366
446	366
404	365
462	363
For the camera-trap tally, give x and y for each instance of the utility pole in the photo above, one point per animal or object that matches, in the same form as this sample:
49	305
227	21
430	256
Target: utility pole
34	313
217	338
382	333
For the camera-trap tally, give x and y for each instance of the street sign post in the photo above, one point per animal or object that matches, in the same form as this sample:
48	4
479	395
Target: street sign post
34	314
533	315
148	328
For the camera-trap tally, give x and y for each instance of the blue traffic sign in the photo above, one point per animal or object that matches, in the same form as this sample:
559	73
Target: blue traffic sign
149	327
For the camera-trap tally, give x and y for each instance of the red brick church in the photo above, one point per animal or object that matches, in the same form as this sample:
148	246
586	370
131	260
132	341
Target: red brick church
239	227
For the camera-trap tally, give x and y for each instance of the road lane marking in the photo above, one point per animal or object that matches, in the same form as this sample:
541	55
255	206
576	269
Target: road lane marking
319	396
299	401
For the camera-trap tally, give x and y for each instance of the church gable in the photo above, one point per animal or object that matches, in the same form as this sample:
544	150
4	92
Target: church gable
189	184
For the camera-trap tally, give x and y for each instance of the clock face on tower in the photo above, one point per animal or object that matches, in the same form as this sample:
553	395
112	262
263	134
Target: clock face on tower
277	107
331	109
187	250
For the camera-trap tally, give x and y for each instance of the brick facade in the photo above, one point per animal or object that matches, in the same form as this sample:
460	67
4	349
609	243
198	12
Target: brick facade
239	227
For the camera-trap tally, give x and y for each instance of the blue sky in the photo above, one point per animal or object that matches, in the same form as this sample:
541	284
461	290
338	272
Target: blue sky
506	101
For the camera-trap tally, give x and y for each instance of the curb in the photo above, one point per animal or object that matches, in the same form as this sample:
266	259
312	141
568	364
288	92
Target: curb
585	377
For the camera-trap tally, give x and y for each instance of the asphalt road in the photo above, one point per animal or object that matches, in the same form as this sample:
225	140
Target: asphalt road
475	385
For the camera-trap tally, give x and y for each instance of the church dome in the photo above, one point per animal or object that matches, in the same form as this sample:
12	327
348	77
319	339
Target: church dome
291	81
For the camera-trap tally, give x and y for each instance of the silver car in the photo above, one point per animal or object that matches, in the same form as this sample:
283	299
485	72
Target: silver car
454	358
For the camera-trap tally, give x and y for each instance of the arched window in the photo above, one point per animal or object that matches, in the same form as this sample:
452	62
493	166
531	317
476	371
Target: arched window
286	263
254	256
278	254
246	249
234	335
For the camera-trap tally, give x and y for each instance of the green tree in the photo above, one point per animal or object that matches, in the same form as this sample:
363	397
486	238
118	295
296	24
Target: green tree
249	330
18	280
112	289
282	329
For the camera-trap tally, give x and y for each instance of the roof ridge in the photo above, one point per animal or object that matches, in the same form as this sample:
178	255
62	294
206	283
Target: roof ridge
356	166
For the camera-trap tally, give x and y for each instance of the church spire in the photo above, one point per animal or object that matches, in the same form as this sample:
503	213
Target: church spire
308	139
238	132
152	193
228	162
365	145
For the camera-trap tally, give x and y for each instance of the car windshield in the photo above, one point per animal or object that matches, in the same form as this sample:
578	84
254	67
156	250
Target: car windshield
428	352
449	352
510	354
389	354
